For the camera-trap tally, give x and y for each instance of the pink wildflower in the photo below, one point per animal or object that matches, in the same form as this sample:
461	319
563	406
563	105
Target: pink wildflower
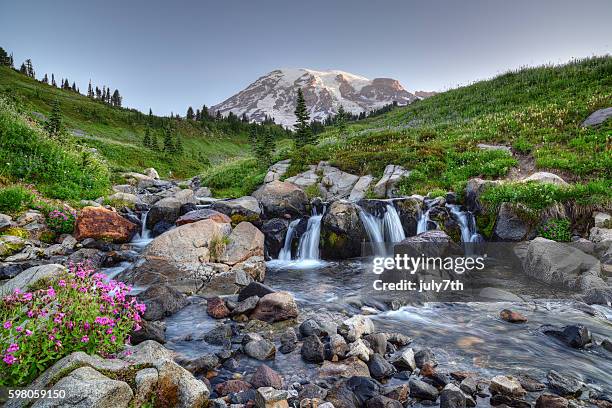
9	359
12	348
8	324
84	339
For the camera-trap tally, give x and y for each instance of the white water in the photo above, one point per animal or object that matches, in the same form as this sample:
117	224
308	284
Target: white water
308	255
285	252
144	237
387	229
466	222
423	223
392	225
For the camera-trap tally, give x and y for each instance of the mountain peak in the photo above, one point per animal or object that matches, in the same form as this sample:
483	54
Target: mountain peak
274	94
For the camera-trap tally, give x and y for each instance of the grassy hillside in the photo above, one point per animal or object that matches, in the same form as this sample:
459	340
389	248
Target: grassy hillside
117	133
536	111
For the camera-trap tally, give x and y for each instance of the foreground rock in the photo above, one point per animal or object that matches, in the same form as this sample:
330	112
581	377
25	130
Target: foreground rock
598	117
169	209
102	224
275	307
279	198
342	231
30	278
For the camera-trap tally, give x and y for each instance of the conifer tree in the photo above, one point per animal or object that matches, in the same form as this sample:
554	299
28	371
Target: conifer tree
11	61
29	68
178	146
4	58
74	88
23	70
45	79
154	145
90	92
53	125
53	83
204	114
340	119
146	140
168	142
189	114
303	135
116	98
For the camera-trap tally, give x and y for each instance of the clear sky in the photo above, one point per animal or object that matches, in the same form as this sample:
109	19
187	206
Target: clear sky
172	54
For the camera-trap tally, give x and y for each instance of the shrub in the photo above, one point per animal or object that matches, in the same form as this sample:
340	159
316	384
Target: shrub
235	179
78	311
61	221
13	199
556	229
217	246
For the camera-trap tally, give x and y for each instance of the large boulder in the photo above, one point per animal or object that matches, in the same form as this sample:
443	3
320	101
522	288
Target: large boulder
386	186
169	209
279	198
100	223
277	171
203	214
10	244
561	264
545	177
335	183
342	231
124	199
509	225
245	241
30	277
161	301
598	117
239	209
305	179
151	172
275	307
274	231
360	188
409	210
430	243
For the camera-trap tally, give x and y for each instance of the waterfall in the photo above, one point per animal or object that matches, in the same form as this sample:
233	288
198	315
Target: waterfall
387	229
392	225
423	223
373	226
144	237
309	242
285	252
467	224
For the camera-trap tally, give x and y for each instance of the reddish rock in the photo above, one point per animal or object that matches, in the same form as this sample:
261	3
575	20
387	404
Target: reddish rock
428	370
100	223
216	308
203	214
551	401
275	307
232	386
399	393
264	376
512	316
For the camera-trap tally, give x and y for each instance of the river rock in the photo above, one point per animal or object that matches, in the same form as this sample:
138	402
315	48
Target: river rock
145	382
576	336
530	384
274	231
452	397
216	308
162	300
380	368
405	360
562	384
124	199
279	198
177	387
360	188
509	226
386	186
245	306
601	219
100	223
259	348
351	366
245	242
219	335
551	401
598	234
377	342
364	388
275	307
268	397
423	391
353	328
336	347
240	209
430	243
425	356
545	177
254	289
507	386
335	183
473	190
169	209
203	214
359	349
313	350
150	330
288	341
598	117
342	231
232	387
264	376
380	401
512	316
30	278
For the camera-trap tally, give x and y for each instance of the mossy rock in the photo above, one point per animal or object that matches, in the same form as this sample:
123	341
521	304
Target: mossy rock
10	244
485	222
238	218
17	232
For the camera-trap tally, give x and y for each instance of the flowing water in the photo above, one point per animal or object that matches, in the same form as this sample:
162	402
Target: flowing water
423	222
285	252
383	230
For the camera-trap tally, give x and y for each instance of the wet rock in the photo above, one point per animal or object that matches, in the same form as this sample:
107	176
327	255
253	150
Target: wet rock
274	231
469	385
264	376
351	366
260	348
342	231
423	391
279	198
232	387
386	186
243	209
507	386
254	289
8	271
161	227
509	226
93	257
216	308
169	209
245	241
203	214
398	339
150	330
312	391
336	347
398	392
430	243
245	306
360	350
277	171
512	316
355	327
576	336
452	397
551	401
380	368
288	341
161	301
275	307
378	342
268	397
562	384
313	350
424	356
530	384
201	364
219	335
405	360
363	388
502	400
311	327
358	192
187	208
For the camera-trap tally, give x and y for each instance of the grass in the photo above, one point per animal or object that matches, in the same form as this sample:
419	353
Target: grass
234	178
15	198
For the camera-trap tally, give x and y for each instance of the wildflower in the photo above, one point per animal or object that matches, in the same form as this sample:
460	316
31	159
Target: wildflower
51	292
12	348
113	338
19	329
27	296
8	324
28	332
84	339
9	359
86	326
62	283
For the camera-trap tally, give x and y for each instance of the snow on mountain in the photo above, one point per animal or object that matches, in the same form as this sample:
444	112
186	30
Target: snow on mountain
275	95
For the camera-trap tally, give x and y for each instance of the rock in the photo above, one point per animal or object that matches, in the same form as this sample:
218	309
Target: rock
86	387
313	350
150	330
151	172
100	223
336	347
232	387
239	209
545	177
277	171
245	241
5	222
268	397
274	231
399	393
563	385
335	183
351	366
219	335
381	401
312	391
598	117
161	301
560	264
422	243
9	271
342	231
146	382
30	217
260	349
425	356
385	187
10	244
30	277
405	361
203	214
288	341
275	307
245	306
279	198
378	342
94	257
423	391
530	384
264	376
364	388
201	364
380	368
507	386
305	179
202	192
473	190
512	316
598	235
169	209
178	388
360	188
254	289
452	397
311	327
359	349
576	336
124	199
483	146
509	226
551	401
498	295
355	327
161	227
601	219
215	307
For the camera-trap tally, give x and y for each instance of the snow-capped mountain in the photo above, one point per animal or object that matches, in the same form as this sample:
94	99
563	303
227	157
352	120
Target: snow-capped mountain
275	95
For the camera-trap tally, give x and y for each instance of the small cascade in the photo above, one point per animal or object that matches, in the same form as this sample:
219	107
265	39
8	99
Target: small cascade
285	252
309	242
144	237
373	226
392	225
467	224
387	229
423	223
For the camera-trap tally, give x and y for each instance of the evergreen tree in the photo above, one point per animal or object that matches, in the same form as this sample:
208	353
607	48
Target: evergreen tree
29	68
11	61
146	140
303	135
53	83
4	58
90	92
23	70
116	98
45	79
153	143
98	93
53	125
204	114
168	142
178	146
189	114
74	88
198	115
340	119
218	115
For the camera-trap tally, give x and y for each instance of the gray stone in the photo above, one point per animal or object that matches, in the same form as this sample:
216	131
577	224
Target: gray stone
260	348
146	382
452	397
509	226
313	350
355	327
161	301
380	368
385	187
546	177
563	385
360	188
245	241
483	146
279	198
602	220
405	360
501	384
268	397
277	171
30	277
5	222
423	391
305	179
335	183
598	117
246	305
246	206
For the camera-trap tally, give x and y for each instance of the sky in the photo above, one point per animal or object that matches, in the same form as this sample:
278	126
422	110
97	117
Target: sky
168	55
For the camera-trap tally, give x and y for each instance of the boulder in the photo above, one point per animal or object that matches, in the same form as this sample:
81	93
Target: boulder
358	192
122	188
124	199
203	214
601	219
506	386
30	277
483	146
264	376
409	210
239	209
259	348
5	222
313	350
169	209
275	307
202	192
288	341
598	117
268	397
353	328
342	231
563	385
254	289
151	172
551	401
349	367
422	390
598	235
431	243
405	360
335	183
305	179
575	336
473	190
274	231
161	301
512	316
277	171
509	226
545	177
103	224
452	397
245	241
279	198
380	368
245	306
216	308
232	387
341	396
150	330
139	180
145	382
177	387
380	401
10	245
385	187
